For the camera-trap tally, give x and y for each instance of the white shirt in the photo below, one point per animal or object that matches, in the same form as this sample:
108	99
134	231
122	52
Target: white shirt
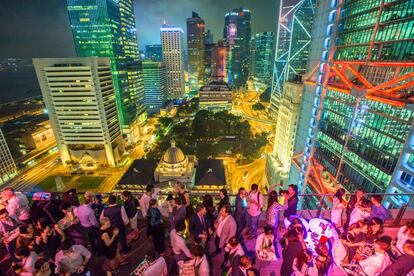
18	207
144	204
375	264
178	244
221	223
402	238
158	268
339	252
357	215
253	209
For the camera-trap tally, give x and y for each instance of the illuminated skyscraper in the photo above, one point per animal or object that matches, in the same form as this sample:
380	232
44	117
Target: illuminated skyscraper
155	83
107	29
7	167
173	55
279	162
79	95
208	39
292	44
153	52
263	57
219	58
361	116
195	45
237	33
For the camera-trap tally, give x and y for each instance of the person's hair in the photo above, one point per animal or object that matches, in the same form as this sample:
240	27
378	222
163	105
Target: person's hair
197	250
409	244
199	207
39	264
376	221
283	192
3	211
23	229
208	200
377	198
360	189
224	191
126	193
151	255
227	208
294	187
293	235
66	244
366	203
112	199
321	249
409	229
302	258
383	243
44	222
241	190
22	251
272	198
268	230
234	241
170	197
254	187
178	201
149	188
65	205
339	194
181	186
245	261
104	220
153	202
180	226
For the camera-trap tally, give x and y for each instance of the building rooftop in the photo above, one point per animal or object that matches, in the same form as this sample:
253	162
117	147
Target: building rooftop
210	172
141	172
216	86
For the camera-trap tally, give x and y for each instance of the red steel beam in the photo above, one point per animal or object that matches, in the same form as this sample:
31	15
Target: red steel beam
391	82
360	77
375	63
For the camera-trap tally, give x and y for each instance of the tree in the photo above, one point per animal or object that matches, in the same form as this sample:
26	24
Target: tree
258	106
165	122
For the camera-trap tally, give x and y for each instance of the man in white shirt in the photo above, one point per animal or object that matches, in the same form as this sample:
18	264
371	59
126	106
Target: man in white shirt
255	201
180	249
71	258
17	205
226	228
145	199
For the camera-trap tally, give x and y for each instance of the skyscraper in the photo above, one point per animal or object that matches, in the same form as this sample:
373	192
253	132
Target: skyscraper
173	55
237	33
155	83
80	97
107	29
208	39
361	119
293	37
263	57
219	59
279	162
208	48
7	167
153	52
195	45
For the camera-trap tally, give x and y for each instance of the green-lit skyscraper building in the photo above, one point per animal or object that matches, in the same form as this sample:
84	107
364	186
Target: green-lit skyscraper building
262	57
106	28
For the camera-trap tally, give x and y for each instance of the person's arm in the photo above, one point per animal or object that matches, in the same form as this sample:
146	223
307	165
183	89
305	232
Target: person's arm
124	216
86	254
108	241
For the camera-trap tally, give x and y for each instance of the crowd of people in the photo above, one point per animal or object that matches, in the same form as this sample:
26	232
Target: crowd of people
62	236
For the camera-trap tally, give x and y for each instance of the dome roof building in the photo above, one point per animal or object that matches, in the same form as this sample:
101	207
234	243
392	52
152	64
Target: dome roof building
175	165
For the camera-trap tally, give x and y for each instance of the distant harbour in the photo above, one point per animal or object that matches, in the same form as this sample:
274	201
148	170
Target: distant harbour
18	85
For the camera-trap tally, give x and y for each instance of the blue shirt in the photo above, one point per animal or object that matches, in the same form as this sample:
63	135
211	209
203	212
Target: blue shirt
380	212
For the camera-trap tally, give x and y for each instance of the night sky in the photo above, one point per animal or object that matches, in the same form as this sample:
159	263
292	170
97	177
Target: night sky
40	28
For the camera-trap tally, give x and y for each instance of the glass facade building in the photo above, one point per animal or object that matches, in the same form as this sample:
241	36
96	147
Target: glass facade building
195	47
262	56
153	52
363	135
106	28
237	33
155	84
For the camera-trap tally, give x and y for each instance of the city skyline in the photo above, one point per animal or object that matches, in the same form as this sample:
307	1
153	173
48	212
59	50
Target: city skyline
47	27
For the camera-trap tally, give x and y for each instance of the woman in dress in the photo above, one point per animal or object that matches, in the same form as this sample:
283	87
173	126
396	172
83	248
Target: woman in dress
185	198
338	207
272	213
108	236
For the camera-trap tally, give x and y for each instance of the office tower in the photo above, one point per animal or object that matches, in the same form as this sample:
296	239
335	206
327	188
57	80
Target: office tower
153	52
208	48
252	61
80	97
237	33
278	163
107	29
208	39
361	116
263	57
219	58
7	167
195	45
215	97
155	83
292	44
173	55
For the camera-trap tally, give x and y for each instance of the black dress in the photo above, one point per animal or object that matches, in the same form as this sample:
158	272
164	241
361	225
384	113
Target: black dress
189	208
108	251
